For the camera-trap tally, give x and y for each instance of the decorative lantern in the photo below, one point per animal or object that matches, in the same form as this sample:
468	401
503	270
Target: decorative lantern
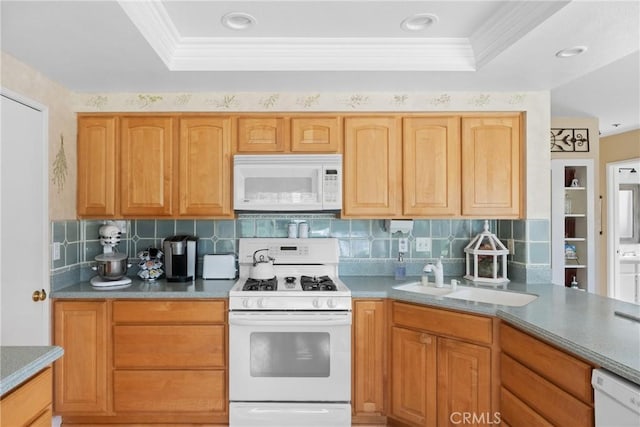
486	258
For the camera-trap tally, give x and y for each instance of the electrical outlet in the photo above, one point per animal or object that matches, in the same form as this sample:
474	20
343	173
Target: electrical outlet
423	244
511	246
55	256
403	245
122	225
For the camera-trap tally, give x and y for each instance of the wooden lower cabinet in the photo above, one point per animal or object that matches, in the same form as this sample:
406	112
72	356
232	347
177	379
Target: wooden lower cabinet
464	382
167	362
30	403
437	378
170	391
369	361
413	376
542	385
81	376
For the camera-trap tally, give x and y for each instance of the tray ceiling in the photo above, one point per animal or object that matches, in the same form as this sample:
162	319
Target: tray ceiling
358	45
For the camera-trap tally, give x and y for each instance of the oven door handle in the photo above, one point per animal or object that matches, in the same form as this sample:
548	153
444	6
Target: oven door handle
261	319
289	411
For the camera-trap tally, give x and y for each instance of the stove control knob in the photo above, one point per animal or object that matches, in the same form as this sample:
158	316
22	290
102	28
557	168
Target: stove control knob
331	303
317	303
246	303
261	303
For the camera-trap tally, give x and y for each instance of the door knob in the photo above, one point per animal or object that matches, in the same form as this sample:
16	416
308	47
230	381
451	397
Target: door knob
40	295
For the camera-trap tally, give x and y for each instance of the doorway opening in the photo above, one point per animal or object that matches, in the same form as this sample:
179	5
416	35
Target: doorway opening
623	235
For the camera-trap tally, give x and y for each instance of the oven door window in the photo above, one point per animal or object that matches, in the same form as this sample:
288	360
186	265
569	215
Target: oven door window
290	354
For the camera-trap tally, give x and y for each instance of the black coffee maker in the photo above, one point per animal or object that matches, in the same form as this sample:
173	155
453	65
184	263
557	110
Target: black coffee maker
180	258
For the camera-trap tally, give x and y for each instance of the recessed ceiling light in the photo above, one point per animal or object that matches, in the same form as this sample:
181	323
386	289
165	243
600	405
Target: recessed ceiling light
238	20
571	51
418	22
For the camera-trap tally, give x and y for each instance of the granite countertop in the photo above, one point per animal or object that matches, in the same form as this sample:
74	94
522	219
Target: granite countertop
576	321
19	363
198	288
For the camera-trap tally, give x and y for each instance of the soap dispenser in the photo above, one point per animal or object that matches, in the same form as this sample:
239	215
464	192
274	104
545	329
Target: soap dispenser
401	267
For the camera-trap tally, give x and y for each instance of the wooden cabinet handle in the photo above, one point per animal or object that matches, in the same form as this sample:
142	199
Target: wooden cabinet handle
40	295
425	339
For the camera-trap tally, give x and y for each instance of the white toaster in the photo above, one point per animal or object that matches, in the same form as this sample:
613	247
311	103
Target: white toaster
219	266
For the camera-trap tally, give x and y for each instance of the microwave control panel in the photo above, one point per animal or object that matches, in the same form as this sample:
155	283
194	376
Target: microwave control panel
331	187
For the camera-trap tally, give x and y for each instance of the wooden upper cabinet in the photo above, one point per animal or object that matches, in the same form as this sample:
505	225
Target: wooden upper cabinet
316	134
491	166
204	184
431	166
372	169
147	152
262	135
97	166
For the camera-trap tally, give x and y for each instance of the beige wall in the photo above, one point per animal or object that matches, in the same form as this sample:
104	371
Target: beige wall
29	83
624	146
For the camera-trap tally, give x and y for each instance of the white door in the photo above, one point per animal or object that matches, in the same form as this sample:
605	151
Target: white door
24	235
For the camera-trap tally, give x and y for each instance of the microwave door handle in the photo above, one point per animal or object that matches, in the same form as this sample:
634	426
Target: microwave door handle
320	172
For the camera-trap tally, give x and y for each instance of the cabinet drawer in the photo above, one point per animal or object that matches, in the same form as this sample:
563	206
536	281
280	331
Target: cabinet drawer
170	391
169	346
169	311
44	420
565	371
442	322
24	404
517	413
548	400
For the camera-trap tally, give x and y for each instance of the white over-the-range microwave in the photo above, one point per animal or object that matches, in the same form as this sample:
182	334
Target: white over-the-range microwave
287	182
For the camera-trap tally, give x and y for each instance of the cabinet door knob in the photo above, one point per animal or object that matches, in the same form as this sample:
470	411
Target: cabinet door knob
425	339
40	295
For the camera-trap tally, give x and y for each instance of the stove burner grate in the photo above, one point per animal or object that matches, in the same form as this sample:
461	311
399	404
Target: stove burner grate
260	285
322	283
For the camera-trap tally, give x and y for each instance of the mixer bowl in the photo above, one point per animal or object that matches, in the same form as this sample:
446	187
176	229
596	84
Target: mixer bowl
112	266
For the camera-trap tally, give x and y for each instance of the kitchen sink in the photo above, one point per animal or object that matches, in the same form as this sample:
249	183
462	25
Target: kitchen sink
493	296
419	288
489	296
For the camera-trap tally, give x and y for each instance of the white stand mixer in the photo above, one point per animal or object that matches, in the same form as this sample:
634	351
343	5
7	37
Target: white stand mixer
109	239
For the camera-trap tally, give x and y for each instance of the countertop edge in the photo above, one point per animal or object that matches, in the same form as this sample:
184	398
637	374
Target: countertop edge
31	368
571	347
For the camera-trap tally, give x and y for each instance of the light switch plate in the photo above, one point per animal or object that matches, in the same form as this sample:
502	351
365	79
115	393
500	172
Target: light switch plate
511	246
55	256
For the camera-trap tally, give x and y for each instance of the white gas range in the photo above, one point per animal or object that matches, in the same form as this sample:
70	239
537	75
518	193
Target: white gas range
290	336
306	276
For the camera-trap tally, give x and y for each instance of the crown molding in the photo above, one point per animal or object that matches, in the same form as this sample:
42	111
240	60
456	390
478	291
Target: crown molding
293	54
154	23
512	21
323	54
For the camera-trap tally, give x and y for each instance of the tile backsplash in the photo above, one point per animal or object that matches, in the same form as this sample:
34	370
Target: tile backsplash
366	247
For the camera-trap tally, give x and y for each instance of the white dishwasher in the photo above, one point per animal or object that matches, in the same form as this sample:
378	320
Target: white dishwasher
617	400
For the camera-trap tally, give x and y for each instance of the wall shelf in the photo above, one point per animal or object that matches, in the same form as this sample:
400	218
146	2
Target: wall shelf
572	223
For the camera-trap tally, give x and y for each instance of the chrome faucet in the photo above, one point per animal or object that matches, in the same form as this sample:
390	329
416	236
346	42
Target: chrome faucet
437	272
